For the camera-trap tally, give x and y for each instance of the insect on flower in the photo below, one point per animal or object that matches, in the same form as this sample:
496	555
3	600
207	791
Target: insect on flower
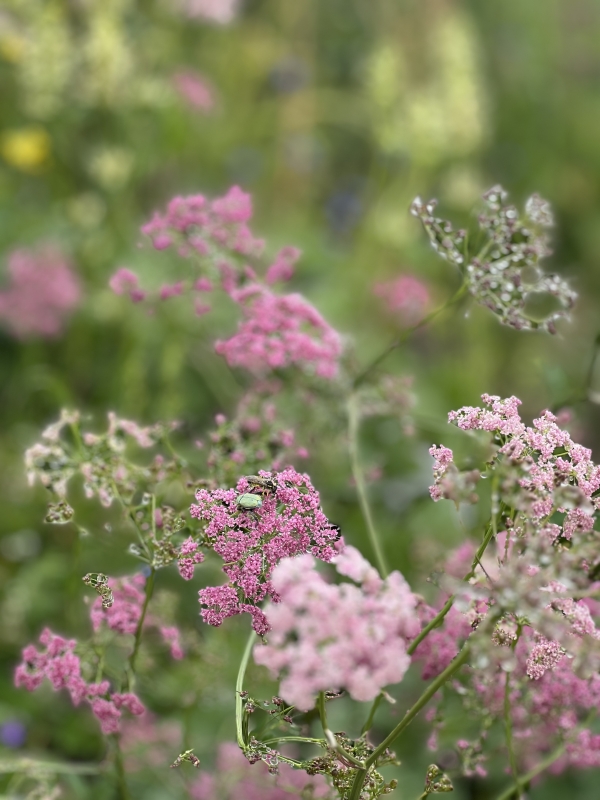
261	486
249	502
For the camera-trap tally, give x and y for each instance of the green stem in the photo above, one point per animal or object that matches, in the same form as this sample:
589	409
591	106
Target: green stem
367	726
433	687
241	724
121	779
533	773
330	737
437	620
509	737
138	631
305	739
406	334
363	499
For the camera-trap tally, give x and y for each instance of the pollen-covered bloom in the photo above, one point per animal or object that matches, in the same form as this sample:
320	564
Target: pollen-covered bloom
278	331
406	297
326	636
251	542
43	290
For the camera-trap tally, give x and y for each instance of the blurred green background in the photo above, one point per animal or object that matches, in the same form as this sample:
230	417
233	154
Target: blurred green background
334	114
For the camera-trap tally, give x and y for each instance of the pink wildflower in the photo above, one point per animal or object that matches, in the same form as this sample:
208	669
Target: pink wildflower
406	297
222	12
289	521
43	290
328	637
194	89
278	331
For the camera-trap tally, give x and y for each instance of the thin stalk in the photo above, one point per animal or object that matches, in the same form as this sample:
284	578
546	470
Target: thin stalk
330	737
433	687
305	739
509	736
406	334
121	779
367	726
437	620
533	773
361	489
149	588
241	725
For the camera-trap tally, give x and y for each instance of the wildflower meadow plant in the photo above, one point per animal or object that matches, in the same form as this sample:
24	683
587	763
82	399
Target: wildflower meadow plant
511	630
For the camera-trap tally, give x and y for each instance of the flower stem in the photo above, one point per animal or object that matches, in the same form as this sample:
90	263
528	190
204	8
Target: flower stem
123	790
241	724
367	726
509	737
433	687
406	334
437	620
149	588
330	737
357	473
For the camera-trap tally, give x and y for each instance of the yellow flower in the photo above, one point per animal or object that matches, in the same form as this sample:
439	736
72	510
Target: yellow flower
25	148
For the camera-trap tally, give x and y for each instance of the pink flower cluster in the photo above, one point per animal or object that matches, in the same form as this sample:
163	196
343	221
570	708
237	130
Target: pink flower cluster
194	89
330	637
449	482
236	779
62	667
406	297
553	472
189	556
278	331
43	290
124	614
198	225
252	542
221	12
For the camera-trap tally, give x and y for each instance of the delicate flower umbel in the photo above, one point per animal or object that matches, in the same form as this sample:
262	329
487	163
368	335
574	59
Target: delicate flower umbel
42	293
65	450
330	637
506	273
59	663
279	331
450	482
286	520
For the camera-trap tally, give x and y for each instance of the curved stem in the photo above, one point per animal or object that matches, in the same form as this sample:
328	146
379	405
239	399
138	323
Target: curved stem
437	620
149	588
406	334
433	687
361	489
241	725
329	735
367	726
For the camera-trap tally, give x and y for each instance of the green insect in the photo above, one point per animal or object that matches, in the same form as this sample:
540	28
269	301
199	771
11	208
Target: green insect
249	502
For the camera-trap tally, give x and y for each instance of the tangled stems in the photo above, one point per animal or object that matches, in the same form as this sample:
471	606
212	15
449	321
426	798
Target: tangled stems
357	473
433	687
